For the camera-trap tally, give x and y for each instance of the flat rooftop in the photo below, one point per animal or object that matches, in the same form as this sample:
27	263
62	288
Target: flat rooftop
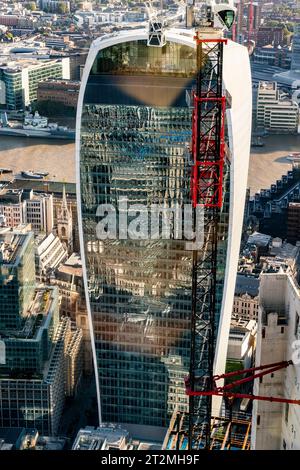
12	245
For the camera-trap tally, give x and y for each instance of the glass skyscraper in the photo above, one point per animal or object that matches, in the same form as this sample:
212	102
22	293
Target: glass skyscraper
133	137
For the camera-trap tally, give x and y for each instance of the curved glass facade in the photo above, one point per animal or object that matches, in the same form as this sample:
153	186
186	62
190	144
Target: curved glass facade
135	138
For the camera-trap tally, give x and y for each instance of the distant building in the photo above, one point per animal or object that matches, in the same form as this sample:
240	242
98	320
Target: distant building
295	65
20	206
276	426
270	206
274	112
272	56
55	6
241	344
58	42
20	79
39	212
105	437
59	91
270	35
245	302
291	78
12	207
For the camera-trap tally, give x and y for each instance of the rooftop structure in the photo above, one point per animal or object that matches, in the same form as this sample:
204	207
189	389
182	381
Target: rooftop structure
105	437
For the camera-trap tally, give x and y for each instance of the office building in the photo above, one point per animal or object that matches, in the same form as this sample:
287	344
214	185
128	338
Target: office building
41	355
12	207
295	65
135	126
39	212
293	222
59	91
19	80
276	426
17	278
291	79
22	206
275	112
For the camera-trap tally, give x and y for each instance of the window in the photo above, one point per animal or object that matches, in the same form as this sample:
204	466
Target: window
286	412
296	324
258	420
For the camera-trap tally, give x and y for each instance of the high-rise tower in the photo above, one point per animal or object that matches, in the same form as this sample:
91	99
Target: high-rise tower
134	130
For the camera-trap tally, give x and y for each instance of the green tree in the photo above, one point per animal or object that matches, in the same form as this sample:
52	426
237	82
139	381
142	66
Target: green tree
62	8
30	6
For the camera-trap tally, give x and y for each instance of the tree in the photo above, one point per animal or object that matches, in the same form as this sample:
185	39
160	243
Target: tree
30	6
62	8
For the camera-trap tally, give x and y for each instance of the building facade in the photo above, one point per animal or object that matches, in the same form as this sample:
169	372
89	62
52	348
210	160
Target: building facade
59	91
20	79
276	426
41	355
133	133
295	65
274	112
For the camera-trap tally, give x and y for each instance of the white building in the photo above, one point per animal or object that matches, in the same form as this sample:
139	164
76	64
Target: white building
274	111
39	212
50	253
241	344
276	426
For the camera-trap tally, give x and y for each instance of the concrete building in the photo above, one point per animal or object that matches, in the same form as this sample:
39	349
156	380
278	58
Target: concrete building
59	91
245	303
276	426
12	207
20	206
19	80
241	343
139	294
39	212
274	112
50	253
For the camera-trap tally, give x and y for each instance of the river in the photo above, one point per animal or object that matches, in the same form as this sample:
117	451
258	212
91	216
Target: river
57	157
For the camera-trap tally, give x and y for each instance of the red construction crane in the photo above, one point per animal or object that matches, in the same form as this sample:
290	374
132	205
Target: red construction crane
250	20
224	390
208	155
